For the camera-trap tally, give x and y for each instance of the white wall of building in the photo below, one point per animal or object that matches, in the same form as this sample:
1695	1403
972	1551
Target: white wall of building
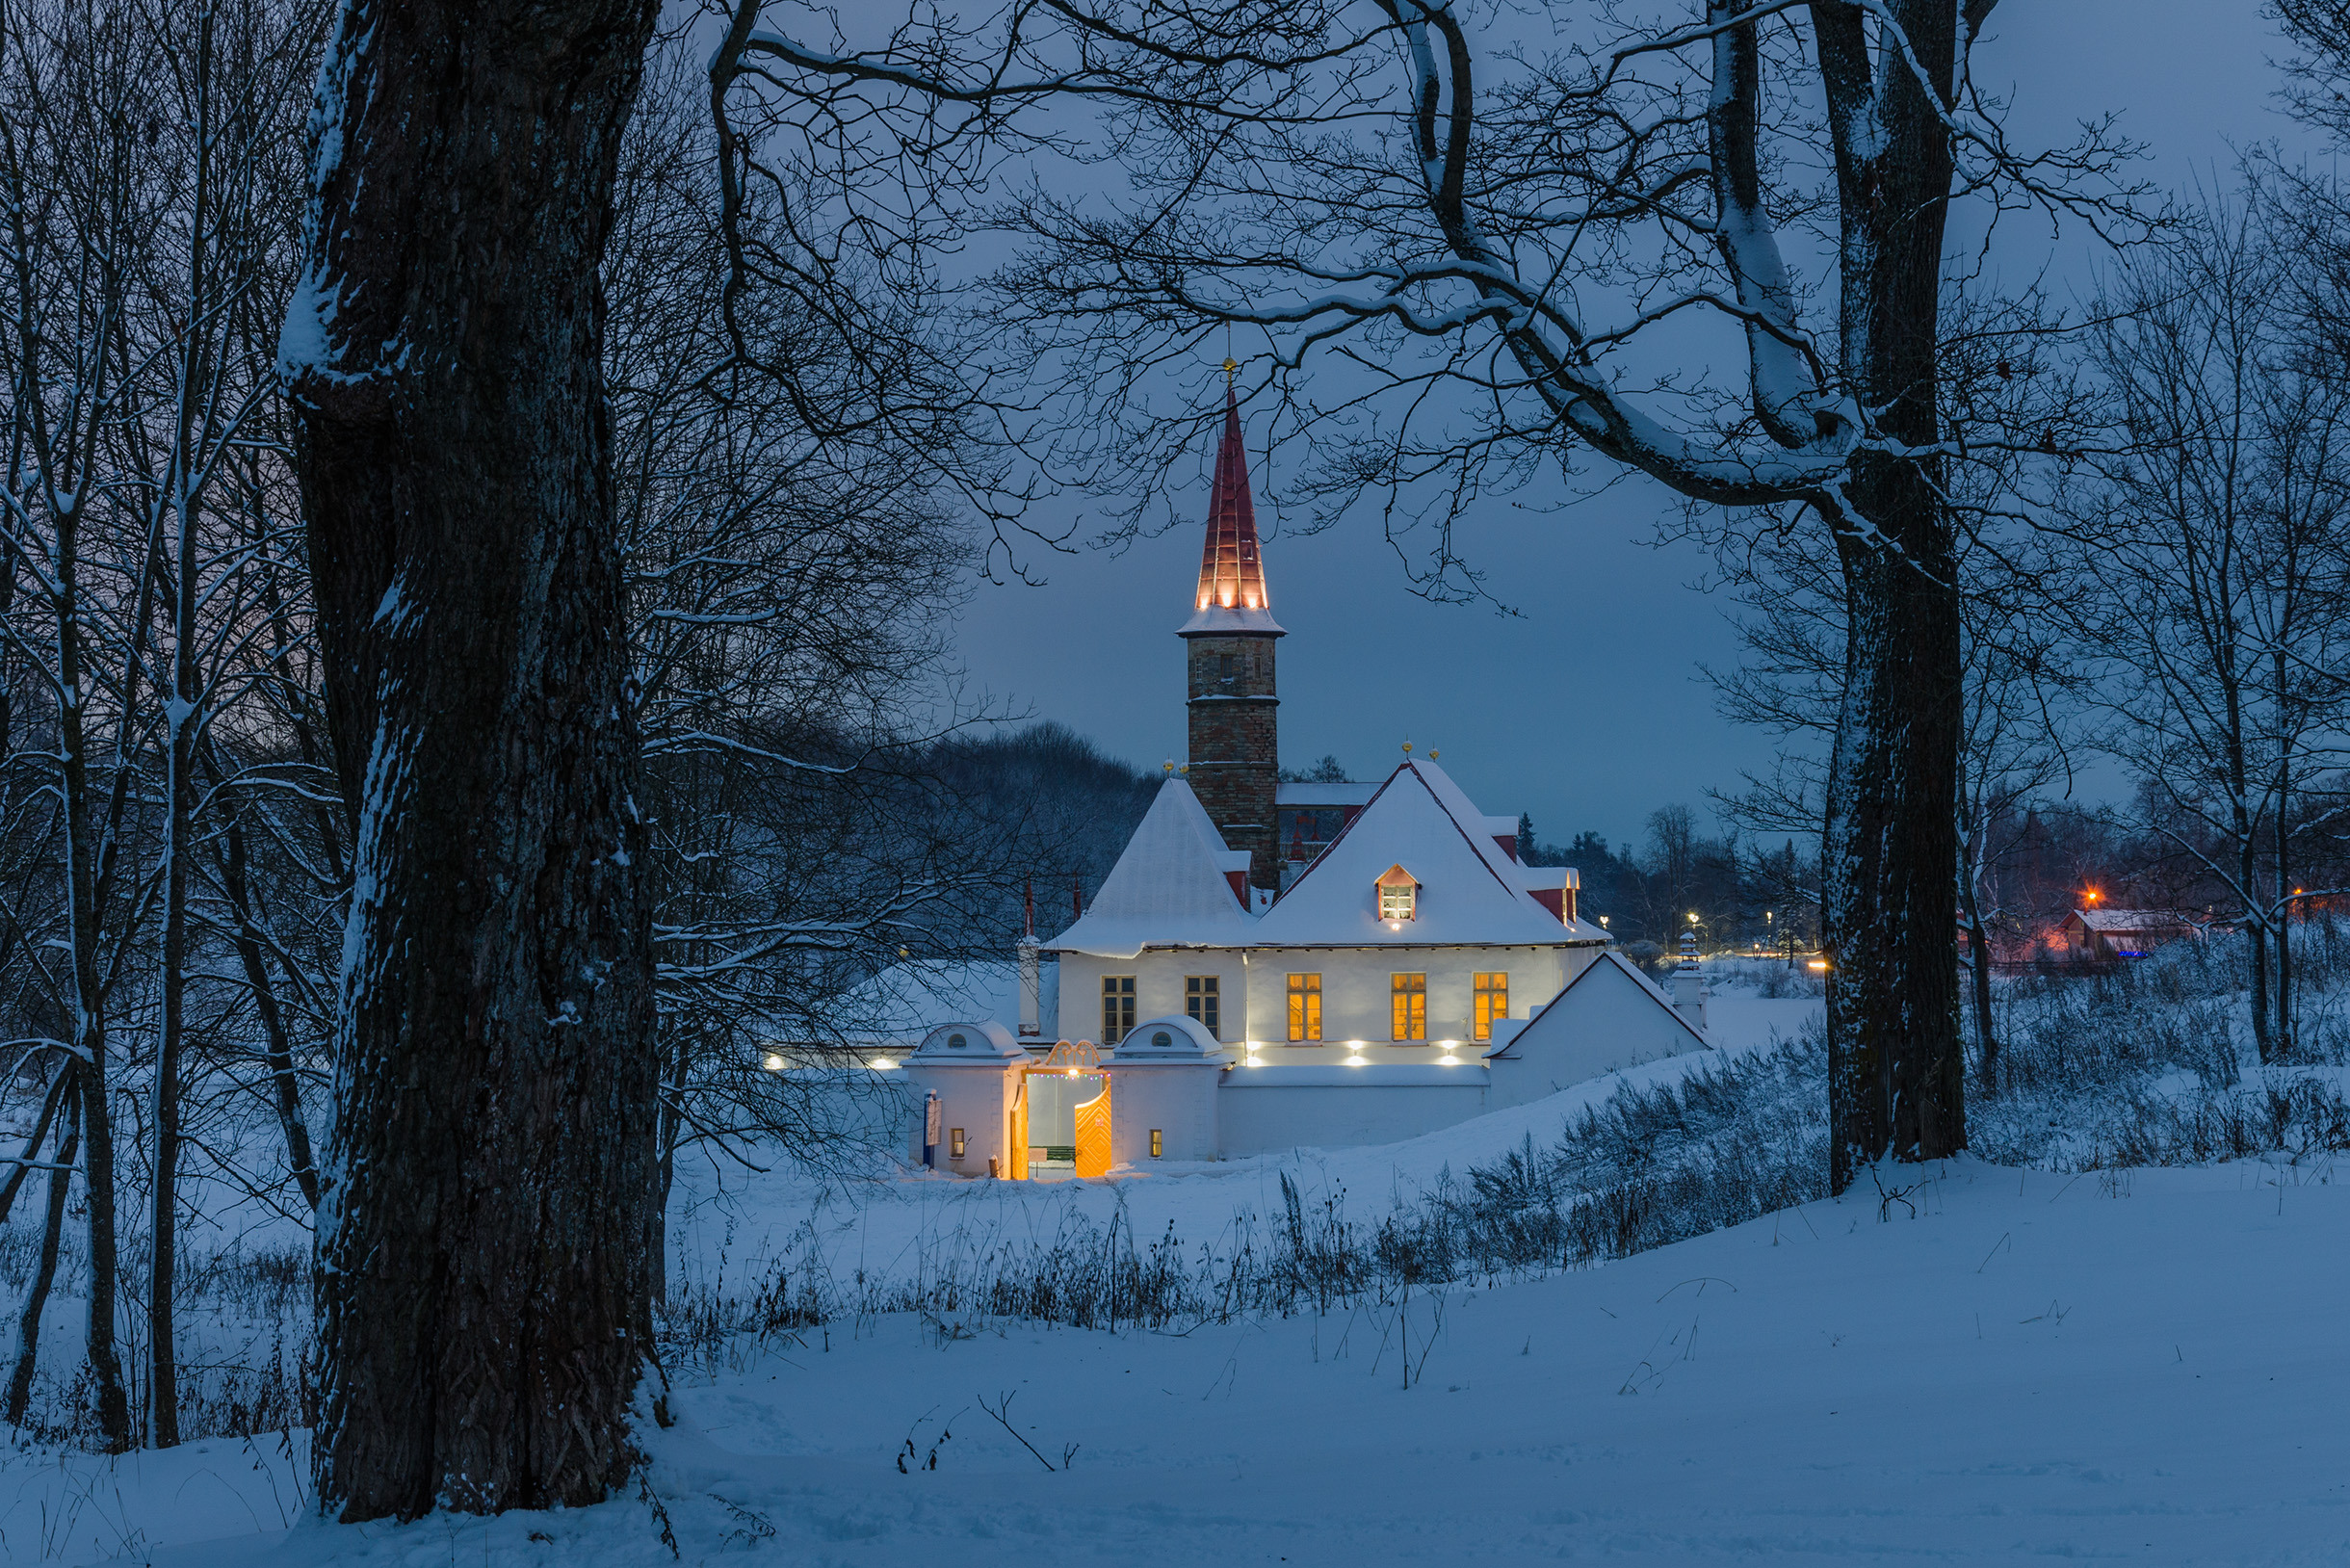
1262	1110
1357	992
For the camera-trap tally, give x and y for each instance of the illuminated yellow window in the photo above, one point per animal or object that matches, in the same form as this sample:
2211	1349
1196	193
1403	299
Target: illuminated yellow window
1410	996
1399	895
1159	1147
1305	1010
1117	1007
1201	1000
1492	1003
955	1143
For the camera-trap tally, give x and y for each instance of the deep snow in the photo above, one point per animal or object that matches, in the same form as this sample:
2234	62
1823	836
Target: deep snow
1992	1364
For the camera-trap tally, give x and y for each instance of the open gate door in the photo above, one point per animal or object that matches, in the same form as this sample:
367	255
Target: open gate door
1093	1133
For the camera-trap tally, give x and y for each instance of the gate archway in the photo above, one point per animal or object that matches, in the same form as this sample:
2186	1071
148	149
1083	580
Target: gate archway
1067	1088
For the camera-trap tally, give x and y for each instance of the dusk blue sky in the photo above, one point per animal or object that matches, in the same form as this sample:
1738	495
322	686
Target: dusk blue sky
1588	711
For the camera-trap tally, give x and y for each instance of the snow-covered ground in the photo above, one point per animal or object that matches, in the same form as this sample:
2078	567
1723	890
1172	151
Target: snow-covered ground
1988	1365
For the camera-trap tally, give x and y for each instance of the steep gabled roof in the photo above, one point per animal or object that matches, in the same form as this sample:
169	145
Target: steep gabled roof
1470	890
1171	887
1612	970
2130	920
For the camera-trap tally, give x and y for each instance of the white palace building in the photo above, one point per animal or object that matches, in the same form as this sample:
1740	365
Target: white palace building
1272	964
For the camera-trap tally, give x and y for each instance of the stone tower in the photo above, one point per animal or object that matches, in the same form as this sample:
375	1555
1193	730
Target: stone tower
1236	755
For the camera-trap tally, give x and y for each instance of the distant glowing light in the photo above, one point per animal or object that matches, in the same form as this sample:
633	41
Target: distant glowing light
1820	964
884	1064
774	1064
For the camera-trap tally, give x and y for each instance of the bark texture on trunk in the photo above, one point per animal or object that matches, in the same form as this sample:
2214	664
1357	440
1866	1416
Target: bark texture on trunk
482	1265
1897	1071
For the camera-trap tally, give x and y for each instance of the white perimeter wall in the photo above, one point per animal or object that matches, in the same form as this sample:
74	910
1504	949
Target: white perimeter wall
1268	1109
978	1099
1178	1098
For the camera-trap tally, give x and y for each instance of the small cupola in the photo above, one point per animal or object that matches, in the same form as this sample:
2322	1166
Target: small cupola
1398	896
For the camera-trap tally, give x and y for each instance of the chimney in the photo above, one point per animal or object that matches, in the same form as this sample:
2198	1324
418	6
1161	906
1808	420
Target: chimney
1031	995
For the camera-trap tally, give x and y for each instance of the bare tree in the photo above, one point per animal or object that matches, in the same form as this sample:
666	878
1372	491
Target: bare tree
2219	601
80	204
483	1257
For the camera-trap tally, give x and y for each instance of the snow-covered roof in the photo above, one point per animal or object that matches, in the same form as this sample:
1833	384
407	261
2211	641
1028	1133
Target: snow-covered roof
1471	891
1216	620
1611	967
1348	794
2129	920
1171	887
1185	1039
980	1043
907	999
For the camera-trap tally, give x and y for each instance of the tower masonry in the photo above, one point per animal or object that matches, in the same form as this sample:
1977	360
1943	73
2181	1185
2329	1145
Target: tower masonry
1235	742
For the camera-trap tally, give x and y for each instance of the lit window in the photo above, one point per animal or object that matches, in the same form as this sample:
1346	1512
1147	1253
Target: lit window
1399	895
1117	1007
1305	1010
1159	1146
954	1142
1410	996
1201	1000
1492	1003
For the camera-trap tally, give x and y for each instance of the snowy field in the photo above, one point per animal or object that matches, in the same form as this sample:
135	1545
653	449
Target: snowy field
1988	1365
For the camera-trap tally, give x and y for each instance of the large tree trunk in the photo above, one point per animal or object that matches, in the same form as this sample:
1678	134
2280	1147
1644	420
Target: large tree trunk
483	1265
1897	1072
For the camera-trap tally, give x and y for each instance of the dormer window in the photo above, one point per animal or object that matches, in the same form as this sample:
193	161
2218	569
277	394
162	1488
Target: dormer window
1399	895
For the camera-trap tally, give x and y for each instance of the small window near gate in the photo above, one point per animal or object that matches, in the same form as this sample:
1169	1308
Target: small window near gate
955	1143
1159	1147
956	1042
1200	1000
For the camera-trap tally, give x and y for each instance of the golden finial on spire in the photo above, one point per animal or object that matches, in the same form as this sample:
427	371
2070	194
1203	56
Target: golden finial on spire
1231	366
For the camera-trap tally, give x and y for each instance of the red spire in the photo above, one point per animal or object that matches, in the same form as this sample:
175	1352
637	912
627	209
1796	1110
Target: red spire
1231	575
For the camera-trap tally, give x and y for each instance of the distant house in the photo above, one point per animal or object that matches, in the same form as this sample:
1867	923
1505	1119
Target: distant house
2103	935
1271	964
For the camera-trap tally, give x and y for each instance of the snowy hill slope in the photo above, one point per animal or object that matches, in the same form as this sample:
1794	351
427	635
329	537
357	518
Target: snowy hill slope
2147	1366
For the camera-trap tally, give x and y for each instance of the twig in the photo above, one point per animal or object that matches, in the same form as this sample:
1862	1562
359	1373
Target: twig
1004	1402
